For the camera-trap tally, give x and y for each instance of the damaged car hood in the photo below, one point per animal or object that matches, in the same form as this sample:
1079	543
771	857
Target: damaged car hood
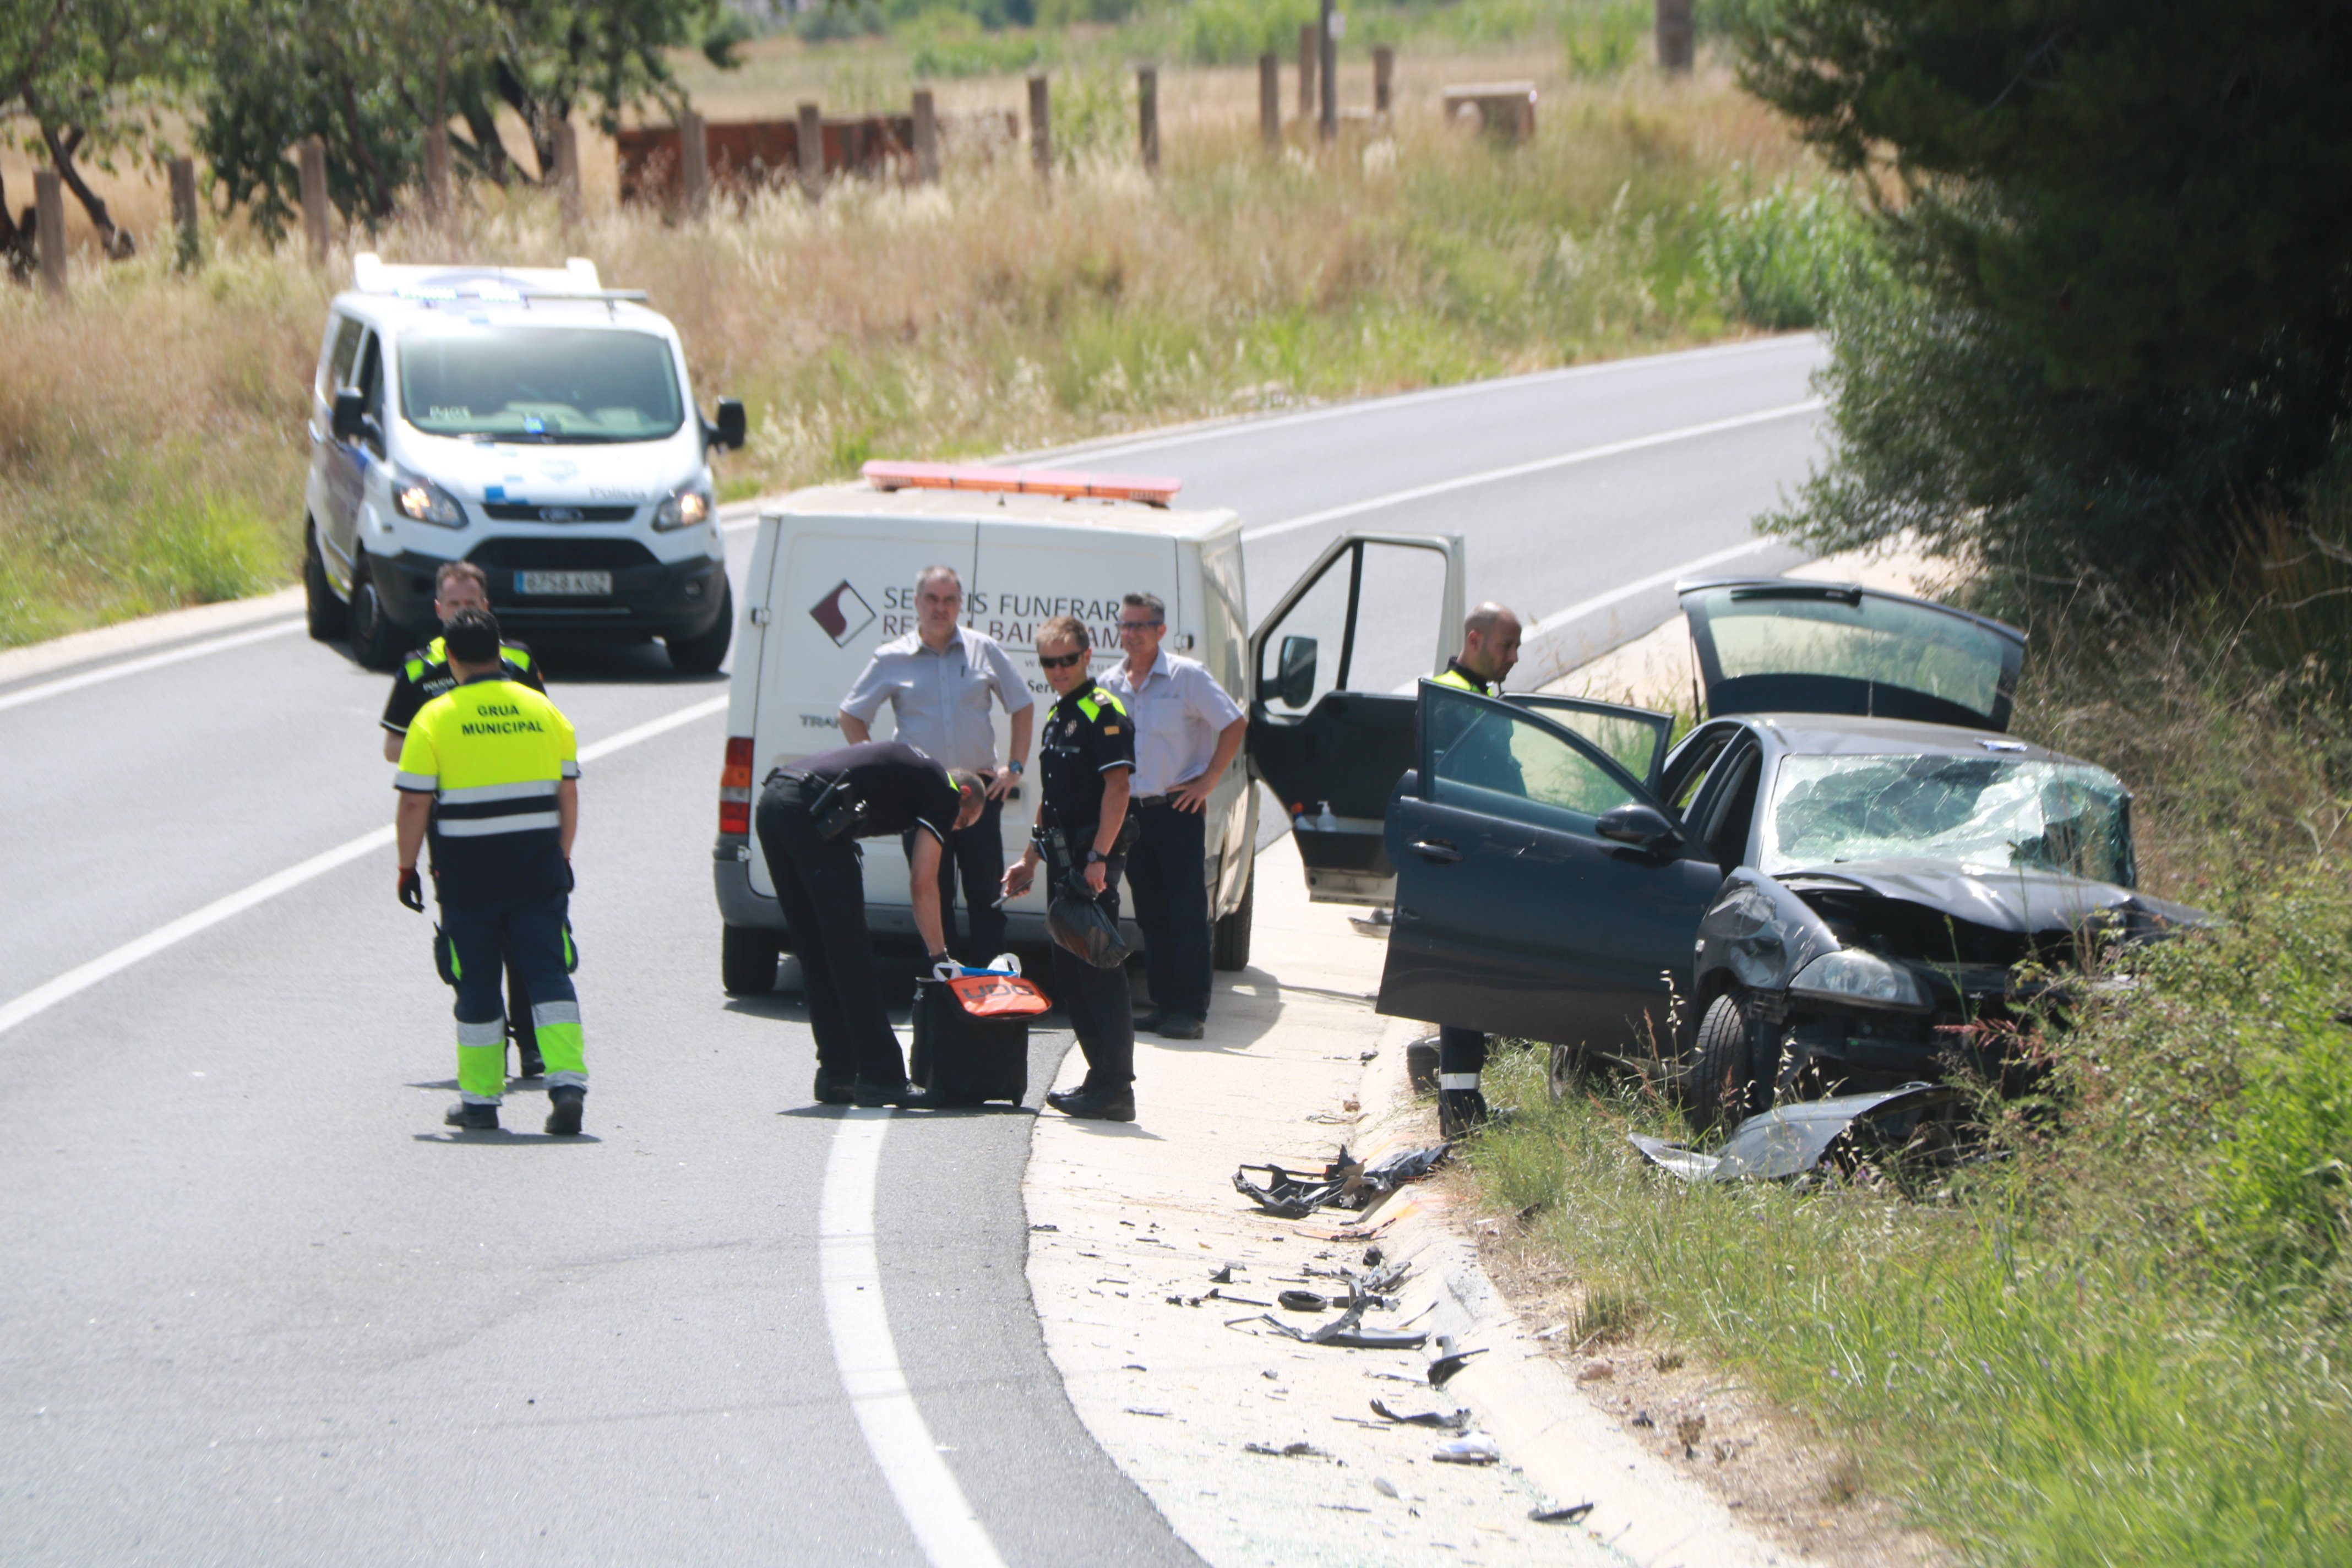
2024	902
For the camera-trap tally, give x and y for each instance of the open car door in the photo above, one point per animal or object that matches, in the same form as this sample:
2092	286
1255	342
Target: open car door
1542	889
1635	738
1778	646
1331	705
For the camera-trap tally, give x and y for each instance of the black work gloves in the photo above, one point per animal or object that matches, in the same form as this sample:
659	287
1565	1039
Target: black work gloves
412	888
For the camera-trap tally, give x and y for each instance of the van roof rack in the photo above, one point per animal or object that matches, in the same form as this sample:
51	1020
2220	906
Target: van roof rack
1067	484
576	280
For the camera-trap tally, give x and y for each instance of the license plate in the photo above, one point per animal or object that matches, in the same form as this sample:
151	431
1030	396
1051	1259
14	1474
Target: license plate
590	583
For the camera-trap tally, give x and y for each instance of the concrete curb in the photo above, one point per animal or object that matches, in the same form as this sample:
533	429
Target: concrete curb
145	633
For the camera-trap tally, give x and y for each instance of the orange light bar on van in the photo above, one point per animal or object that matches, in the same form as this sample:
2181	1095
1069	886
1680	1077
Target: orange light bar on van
1071	485
735	787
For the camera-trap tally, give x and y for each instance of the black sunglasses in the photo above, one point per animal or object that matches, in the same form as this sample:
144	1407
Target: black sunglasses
1061	660
1139	625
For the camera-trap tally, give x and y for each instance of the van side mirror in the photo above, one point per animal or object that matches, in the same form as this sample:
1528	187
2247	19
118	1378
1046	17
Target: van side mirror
729	430
1640	824
351	419
1294	680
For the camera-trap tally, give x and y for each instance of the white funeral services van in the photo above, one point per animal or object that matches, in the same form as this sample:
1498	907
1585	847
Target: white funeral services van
1328	680
532	422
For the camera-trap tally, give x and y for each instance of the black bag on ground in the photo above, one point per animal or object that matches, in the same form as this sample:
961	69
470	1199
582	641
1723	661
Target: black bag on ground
962	1059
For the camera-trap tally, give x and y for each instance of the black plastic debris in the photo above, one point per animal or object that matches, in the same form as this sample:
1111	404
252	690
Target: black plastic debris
1457	1421
1288	1451
1223	1276
1303	1301
1442	1370
1560	1513
1346	1329
1839	1133
1345	1183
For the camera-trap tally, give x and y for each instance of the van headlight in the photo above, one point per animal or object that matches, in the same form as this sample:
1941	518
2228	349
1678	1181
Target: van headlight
1865	977
422	501
684	508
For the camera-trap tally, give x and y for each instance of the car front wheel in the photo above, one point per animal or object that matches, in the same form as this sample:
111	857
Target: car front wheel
1719	1075
327	616
377	640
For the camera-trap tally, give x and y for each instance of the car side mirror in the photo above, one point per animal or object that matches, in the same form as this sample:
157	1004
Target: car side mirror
731	427
1294	680
1640	824
350	420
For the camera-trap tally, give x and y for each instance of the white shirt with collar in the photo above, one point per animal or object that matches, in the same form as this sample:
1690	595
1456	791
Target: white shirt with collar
1179	711
940	697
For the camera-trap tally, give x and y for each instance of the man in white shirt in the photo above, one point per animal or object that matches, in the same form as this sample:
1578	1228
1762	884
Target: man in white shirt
1187	731
939	680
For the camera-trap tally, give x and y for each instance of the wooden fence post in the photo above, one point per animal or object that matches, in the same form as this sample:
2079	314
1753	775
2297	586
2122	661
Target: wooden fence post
1041	124
183	209
812	151
1269	100
694	163
1384	78
927	137
567	171
437	174
1309	51
1147	112
49	228
314	197
1328	44
1676	44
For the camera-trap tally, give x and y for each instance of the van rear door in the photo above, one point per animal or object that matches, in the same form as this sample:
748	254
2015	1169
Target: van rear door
1333	675
838	589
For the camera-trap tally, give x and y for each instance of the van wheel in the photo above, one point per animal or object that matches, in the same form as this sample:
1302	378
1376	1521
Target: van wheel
329	619
705	654
1229	943
747	961
1719	1078
377	641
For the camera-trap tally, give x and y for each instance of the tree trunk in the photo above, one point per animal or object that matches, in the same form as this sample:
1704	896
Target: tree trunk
114	239
15	239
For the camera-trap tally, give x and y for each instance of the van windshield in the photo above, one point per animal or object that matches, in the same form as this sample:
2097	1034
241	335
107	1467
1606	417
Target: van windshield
541	384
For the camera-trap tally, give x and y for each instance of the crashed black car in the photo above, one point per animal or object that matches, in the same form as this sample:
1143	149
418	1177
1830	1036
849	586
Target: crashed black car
1835	883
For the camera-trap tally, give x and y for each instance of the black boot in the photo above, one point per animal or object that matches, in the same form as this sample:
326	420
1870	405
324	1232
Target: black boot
869	1095
1097	1104
829	1089
1460	1112
527	1060
565	1101
467	1117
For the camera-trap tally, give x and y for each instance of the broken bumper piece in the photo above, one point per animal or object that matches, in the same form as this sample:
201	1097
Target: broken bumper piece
1797	1139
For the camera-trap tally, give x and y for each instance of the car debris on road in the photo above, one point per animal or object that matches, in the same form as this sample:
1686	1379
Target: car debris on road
1345	1184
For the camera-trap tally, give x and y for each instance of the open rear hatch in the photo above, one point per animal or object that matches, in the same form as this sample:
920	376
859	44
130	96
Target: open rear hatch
1777	646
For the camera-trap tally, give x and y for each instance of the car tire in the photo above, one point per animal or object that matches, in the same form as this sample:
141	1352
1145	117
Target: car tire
703	654
1719	1076
329	619
377	640
1229	944
747	961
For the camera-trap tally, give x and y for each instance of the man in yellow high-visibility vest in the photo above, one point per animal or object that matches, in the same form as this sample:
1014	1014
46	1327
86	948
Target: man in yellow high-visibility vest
490	769
1490	646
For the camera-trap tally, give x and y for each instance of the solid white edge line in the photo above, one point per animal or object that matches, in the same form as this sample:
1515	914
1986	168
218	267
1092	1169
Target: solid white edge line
1540	465
1252	424
74	981
151	661
855	1316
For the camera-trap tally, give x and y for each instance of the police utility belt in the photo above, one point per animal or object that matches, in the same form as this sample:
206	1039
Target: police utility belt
1066	849
835	809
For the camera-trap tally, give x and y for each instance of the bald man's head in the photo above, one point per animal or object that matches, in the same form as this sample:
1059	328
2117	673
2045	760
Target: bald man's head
1490	642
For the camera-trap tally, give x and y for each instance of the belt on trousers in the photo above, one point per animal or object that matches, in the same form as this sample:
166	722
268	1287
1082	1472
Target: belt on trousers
1148	800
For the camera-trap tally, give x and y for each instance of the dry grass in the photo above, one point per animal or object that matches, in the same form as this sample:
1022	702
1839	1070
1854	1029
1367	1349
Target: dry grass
151	435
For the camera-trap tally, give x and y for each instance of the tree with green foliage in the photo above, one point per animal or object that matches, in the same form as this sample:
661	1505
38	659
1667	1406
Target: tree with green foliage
369	82
2122	240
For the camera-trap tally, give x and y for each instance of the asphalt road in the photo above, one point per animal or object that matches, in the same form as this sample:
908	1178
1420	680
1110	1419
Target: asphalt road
257	1308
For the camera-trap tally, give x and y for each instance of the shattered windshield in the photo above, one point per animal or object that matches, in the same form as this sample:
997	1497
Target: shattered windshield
1981	813
541	384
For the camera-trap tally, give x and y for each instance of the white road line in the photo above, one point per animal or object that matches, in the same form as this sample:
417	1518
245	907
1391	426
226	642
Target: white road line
1253	424
1540	465
950	1534
74	981
152	661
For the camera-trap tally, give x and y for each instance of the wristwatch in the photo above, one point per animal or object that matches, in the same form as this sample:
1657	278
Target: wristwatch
1096	856
1013	767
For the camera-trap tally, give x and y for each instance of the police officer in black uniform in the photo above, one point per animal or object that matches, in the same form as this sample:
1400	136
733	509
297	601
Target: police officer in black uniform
1086	763
811	816
425	674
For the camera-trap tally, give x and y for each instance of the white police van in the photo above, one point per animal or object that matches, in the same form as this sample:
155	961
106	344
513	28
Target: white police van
1330	702
529	420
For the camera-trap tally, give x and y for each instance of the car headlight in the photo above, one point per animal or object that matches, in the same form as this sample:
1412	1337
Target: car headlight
685	509
422	501
1865	977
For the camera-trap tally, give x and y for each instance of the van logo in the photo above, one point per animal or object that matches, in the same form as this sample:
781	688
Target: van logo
844	612
559	468
559	514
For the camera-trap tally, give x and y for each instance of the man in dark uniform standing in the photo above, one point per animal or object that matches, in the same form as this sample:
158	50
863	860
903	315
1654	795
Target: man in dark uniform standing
811	816
1085	766
425	674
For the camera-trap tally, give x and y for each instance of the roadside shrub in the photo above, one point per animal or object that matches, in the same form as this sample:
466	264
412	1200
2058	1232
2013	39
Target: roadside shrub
1779	259
1235	32
945	45
1599	40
